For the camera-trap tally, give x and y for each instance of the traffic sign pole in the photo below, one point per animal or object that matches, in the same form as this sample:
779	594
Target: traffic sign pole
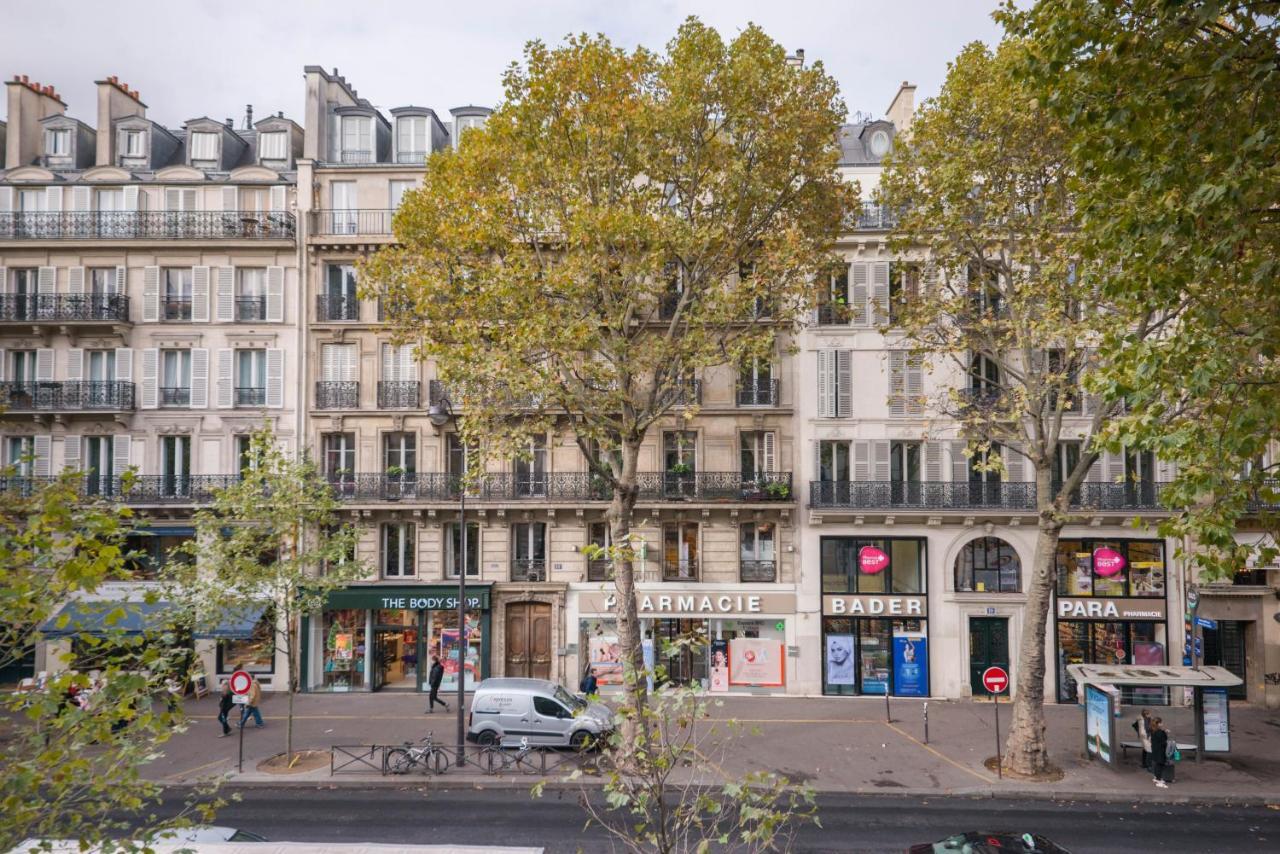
996	681
999	761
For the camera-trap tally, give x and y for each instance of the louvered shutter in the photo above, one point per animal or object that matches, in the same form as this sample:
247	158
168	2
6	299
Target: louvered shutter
275	378
1014	463
844	383
70	453
124	364
861	461
53	199
150	378
199	378
770	456
121	453
279	199
81	199
229	199
933	462
75	364
915	384
1164	471
897	383
1094	474
959	462
858	286
880	456
826	386
390	365
44	365
879	308
3	364
133	199
6	199
224	392
46	280
275	294
226	294
172	199
200	294
120	284
408	370
43	447
4	277
75	281
150	294
1114	464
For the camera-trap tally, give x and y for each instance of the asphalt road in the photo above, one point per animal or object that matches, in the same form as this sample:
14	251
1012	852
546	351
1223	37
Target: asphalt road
871	823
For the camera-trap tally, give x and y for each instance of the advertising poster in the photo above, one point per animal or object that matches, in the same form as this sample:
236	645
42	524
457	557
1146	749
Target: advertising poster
1148	653
605	655
911	665
719	666
1098	723
650	659
755	661
449	657
1217	734
342	647
840	659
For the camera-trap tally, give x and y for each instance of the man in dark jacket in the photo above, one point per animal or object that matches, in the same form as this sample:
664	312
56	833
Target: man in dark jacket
225	705
434	677
589	686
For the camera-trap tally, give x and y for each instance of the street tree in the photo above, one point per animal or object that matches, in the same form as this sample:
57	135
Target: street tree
74	749
273	538
984	191
624	220
1173	113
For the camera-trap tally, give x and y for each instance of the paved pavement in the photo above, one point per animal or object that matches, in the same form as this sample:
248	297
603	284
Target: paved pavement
834	744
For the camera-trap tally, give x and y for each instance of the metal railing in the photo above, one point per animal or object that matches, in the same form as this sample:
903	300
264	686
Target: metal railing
65	396
64	308
599	570
137	489
834	314
251	396
398	394
528	569
329	308
356	157
416	157
872	217
337	395
251	308
762	393
155	225
688	393
352	222
679	570
175	308
966	495
985	397
758	571
175	396
1266	499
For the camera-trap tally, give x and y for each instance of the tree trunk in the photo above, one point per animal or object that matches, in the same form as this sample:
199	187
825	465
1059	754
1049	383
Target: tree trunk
635	683
290	646
1026	751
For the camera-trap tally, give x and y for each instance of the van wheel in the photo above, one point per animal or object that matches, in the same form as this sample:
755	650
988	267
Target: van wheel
581	740
486	738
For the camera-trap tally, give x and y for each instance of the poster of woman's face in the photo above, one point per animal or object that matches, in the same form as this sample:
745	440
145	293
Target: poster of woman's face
839	659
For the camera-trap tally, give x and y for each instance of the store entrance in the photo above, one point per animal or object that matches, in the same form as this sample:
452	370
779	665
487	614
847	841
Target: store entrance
681	647
396	650
528	640
1225	647
988	647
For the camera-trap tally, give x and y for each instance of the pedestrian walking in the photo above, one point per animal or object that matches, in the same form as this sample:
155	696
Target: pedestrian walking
251	707
590	685
1142	726
434	677
225	705
1164	752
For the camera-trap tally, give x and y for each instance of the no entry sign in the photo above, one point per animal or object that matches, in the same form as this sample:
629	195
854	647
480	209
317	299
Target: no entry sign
995	680
241	681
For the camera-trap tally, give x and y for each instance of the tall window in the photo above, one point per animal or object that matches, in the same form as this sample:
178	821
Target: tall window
251	377
984	375
756	454
1066	458
397	189
340	301
273	146
102	282
833	461
204	146
246	460
339	455
988	565
600	536
134	144
833	301
22	366
530	469
756	384
57	142
100	366
904	472
453	549
529	551
357	139
175	464
985	297
177	293
680	462
99	464
20	455
680	551
397	550
904	286
175	381
411	139
756	551
400	452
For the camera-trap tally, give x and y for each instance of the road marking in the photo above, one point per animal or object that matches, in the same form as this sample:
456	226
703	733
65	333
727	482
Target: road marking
177	775
983	777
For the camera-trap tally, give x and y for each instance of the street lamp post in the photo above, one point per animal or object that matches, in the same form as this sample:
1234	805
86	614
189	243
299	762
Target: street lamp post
440	414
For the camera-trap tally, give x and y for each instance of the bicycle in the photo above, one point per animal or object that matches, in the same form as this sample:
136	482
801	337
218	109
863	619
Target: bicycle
429	757
494	759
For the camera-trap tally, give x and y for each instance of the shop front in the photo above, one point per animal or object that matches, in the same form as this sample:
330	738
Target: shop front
1110	608
374	638
875	616
731	641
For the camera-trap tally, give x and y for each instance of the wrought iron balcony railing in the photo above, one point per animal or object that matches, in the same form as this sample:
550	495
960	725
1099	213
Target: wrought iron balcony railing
872	217
66	396
140	489
1132	495
688	393
834	314
175	395
251	396
982	397
399	394
175	308
417	158
528	569
332	307
966	495
251	308
758	571
337	395
354	222
1266	499
679	570
147	225
357	157
761	393
64	308
599	570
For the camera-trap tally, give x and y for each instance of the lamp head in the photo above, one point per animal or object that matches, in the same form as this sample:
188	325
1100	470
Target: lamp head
440	413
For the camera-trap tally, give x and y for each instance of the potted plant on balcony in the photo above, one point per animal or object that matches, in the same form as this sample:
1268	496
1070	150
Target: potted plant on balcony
679	480
395	482
777	491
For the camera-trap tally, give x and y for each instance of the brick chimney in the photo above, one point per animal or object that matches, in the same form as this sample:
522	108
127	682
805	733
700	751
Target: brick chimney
29	102
115	101
902	107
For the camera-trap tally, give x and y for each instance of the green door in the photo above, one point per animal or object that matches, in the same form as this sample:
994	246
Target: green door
988	647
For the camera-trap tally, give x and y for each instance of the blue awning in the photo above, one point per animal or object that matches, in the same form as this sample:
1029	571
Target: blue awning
237	625
104	618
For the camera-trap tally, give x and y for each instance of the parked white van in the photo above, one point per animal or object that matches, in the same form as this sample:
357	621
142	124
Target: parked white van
508	710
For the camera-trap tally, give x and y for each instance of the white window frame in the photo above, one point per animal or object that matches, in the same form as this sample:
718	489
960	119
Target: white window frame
200	140
52	137
357	135
134	144
273	145
418	142
400	552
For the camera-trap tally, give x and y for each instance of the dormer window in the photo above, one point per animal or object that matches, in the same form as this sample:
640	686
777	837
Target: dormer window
273	146
879	144
204	146
133	143
57	142
357	139
411	139
464	124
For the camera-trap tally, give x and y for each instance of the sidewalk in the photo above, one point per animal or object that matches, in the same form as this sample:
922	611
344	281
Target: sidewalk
833	744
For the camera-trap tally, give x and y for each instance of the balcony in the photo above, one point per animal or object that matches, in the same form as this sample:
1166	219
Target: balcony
1266	499
249	309
984	398
352	223
834	314
414	158
599	570
147	225
871	217
528	569
175	308
965	495
679	570
337	395
64	308
357	157
398	394
762	393
688	393
758	571
175	396
1134	495
337	308
250	396
141	489
70	396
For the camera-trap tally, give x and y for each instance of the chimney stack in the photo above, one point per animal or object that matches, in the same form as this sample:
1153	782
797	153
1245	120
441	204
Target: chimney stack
29	102
115	101
901	109
248	116
796	60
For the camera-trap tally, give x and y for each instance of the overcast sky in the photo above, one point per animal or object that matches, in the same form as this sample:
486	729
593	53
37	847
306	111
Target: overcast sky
190	59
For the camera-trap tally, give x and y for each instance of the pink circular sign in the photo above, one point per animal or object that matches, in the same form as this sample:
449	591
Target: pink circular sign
872	560
1107	562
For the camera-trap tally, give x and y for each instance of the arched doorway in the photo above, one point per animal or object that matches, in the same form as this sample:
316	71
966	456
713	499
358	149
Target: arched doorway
528	640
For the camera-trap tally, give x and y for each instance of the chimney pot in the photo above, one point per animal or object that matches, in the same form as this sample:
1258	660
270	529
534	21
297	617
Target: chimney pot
24	80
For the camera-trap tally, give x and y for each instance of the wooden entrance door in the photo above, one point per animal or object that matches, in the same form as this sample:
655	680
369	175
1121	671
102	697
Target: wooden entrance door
528	636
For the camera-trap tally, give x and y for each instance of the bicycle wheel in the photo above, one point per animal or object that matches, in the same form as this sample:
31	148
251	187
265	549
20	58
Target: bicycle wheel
399	761
529	761
492	761
439	760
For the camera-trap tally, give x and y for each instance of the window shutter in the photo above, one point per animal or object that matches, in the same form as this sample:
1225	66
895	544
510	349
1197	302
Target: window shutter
121	453
124	364
75	364
915	384
120	284
132	199
897	383
933	462
959	462
275	378
80	199
224	394
200	294
817	461
1164	470
858	294
879	309
43	446
2	364
75	281
229	199
150	378
350	367
275	294
53	199
172	199
4	278
826	399
880	452
44	364
770	456
199	378
150	294
844	383
226	294
6	199
1014	463
1114	466
279	200
70	453
46	280
390	367
408	370
1094	474
862	461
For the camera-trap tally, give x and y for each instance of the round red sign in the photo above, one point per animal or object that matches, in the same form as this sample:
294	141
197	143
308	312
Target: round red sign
1107	562
240	682
995	680
872	560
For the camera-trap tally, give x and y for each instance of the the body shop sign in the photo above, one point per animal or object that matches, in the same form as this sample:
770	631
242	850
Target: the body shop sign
1107	562
872	561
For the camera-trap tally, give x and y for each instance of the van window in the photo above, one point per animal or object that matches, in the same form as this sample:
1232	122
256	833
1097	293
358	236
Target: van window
549	708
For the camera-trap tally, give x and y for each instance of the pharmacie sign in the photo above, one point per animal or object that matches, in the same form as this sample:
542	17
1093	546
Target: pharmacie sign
735	603
1103	608
405	598
865	605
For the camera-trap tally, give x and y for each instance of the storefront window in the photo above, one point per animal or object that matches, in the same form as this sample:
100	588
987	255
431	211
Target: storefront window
599	643
872	656
988	565
255	654
396	648
1110	642
1142	573
849	565
344	650
444	643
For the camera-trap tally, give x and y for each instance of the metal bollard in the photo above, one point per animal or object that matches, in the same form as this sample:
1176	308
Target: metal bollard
926	721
